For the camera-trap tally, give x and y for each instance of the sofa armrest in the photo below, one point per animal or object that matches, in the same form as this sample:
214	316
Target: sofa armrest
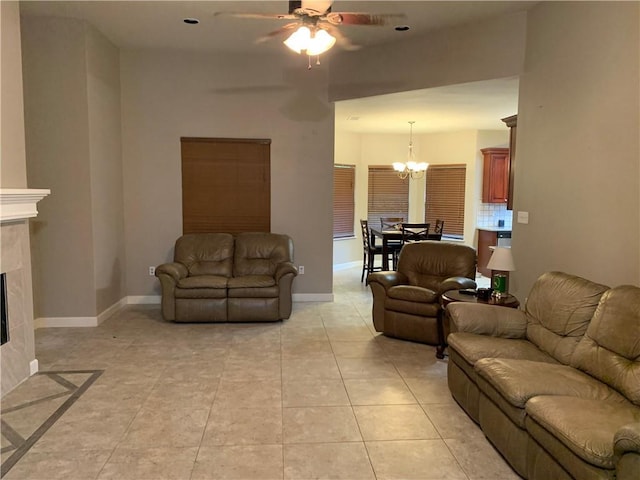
456	283
387	279
175	270
283	268
483	319
626	449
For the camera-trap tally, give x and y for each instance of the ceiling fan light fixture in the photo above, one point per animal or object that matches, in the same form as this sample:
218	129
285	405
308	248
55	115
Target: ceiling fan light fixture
320	42
299	39
313	43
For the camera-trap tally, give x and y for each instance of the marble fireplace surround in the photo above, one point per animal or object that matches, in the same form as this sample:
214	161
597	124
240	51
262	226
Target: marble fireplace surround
17	356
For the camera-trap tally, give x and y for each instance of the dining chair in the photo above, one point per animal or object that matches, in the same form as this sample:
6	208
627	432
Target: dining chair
393	223
437	230
370	251
415	232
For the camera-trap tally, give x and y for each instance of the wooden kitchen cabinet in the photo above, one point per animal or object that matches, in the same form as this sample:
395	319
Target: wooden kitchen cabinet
495	177
512	123
486	239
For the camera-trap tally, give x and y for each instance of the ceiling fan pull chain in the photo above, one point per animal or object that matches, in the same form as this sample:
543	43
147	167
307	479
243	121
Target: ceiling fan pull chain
318	60
309	66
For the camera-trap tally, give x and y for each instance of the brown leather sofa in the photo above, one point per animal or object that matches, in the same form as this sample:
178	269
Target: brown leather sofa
556	386
406	302
218	277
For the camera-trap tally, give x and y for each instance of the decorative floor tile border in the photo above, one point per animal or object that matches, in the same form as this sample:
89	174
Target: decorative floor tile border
19	446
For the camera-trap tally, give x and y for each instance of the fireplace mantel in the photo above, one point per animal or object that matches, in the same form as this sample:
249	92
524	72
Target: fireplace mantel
20	203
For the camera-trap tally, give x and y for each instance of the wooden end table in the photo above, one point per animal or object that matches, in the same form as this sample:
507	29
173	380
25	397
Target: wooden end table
455	296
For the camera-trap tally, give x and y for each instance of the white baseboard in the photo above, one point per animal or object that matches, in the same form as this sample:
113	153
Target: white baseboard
344	266
33	366
57	322
61	322
312	297
143	299
296	297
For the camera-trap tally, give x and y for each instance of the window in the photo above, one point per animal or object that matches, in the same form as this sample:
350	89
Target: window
226	185
445	197
343	200
388	195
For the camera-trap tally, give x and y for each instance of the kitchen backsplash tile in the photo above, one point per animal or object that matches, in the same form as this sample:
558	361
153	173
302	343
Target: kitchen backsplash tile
489	215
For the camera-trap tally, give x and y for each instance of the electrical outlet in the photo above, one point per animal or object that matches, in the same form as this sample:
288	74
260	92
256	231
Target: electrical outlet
301	269
152	271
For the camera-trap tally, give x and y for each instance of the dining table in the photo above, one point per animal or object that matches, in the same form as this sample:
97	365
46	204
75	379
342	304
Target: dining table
386	235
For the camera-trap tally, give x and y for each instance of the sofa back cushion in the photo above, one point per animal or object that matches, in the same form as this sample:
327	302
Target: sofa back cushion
206	253
260	253
559	308
610	349
427	264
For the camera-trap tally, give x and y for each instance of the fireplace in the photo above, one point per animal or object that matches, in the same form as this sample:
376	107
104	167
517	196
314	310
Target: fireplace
4	318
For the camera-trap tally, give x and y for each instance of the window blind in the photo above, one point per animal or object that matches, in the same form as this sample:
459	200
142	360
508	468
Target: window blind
445	197
388	195
343	200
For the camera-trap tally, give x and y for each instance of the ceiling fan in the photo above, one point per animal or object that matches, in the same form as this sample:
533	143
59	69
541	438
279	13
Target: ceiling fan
315	26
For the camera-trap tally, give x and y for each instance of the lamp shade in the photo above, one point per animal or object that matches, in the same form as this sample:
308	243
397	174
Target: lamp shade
501	260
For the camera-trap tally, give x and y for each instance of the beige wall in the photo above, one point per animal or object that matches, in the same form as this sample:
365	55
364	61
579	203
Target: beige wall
12	150
73	147
166	95
17	355
578	158
483	50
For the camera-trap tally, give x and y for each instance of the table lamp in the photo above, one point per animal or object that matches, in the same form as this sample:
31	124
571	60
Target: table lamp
500	264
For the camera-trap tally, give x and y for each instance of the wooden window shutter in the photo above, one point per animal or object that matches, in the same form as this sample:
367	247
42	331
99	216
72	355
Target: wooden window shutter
343	200
226	185
388	195
445	197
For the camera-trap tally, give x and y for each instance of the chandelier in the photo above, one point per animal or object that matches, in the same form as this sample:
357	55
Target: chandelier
410	168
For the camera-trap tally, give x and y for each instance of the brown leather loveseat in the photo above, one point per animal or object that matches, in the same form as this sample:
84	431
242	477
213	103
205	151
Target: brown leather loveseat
219	277
556	386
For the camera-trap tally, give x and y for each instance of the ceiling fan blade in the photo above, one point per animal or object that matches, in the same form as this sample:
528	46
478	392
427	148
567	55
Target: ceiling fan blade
276	33
271	16
354	18
342	41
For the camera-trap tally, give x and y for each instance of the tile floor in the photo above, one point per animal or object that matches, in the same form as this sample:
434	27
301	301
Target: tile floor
320	395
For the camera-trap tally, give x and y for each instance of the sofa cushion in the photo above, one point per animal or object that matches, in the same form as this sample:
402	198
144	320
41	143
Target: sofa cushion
253	286
206	253
585	427
510	383
411	293
472	347
427	264
559	308
259	253
203	281
610	349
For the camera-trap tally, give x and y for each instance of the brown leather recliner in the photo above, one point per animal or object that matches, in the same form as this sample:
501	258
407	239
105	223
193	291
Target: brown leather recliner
406	302
216	277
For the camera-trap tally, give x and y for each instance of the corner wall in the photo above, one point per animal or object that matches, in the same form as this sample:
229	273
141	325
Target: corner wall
578	153
72	119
